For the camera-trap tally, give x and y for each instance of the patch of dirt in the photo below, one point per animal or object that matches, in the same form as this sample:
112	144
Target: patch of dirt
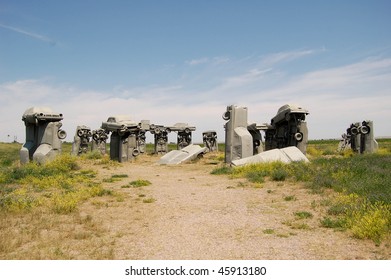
187	213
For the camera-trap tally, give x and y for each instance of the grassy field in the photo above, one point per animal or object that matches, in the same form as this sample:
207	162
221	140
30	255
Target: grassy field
362	184
42	199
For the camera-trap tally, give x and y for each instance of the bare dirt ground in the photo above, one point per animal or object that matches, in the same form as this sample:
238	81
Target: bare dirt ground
187	213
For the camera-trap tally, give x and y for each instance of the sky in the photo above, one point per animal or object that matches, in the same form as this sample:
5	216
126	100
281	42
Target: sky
185	61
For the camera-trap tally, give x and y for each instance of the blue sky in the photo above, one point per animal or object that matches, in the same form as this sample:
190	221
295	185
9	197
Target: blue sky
185	61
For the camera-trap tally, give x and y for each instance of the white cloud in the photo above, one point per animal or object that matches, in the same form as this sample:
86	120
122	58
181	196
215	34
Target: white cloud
275	58
218	60
338	96
335	97
30	34
198	61
251	76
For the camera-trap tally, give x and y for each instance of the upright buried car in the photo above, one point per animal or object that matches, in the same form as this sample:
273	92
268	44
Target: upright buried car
288	128
43	135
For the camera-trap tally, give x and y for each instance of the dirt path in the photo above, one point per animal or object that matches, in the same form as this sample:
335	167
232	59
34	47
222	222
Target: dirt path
192	214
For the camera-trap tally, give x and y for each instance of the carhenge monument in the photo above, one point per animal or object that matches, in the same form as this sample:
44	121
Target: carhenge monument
184	136
360	138
288	128
209	139
99	138
127	138
238	140
160	135
81	140
43	135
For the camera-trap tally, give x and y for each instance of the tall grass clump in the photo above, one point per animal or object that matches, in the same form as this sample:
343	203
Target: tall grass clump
279	174
139	183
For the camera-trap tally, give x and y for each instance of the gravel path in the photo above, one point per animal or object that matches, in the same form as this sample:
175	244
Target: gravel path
195	215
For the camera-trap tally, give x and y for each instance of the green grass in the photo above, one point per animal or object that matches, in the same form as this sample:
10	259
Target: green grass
303	215
268	231
335	223
9	153
256	173
362	181
39	208
279	174
139	183
366	175
92	155
290	198
366	178
149	200
115	178
59	185
221	170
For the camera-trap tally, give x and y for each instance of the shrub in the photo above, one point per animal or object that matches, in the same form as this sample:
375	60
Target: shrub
279	174
314	152
303	215
120	176
268	231
149	200
140	183
290	198
255	176
372	221
221	170
338	223
115	178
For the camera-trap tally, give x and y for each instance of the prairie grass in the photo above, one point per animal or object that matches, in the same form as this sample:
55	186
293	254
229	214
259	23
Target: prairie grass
365	219
268	231
221	170
115	178
45	235
366	178
290	198
303	215
139	183
9	153
58	186
39	217
256	173
149	200
92	155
